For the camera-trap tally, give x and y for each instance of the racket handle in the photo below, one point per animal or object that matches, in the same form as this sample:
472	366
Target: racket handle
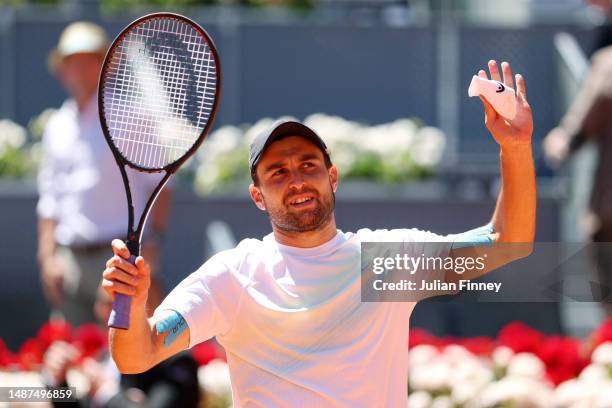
120	315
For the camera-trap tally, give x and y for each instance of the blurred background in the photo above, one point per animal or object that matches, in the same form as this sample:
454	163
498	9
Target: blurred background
385	80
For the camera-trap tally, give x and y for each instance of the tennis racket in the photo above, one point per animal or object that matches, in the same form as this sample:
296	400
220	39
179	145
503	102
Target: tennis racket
158	94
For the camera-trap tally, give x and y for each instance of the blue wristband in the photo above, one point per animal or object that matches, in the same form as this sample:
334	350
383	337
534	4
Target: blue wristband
174	324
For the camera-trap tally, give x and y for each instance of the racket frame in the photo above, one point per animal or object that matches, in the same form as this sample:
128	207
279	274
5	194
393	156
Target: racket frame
134	236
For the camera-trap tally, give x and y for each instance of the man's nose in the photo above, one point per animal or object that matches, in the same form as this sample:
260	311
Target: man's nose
296	181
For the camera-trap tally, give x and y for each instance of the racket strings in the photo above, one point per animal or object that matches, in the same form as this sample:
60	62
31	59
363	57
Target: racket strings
159	91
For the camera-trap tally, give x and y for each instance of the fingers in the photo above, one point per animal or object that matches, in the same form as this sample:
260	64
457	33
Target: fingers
120	276
494	71
119	248
520	87
112	287
482	73
121	263
507	71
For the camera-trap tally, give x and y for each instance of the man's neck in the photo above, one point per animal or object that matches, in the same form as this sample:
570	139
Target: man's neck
84	100
307	239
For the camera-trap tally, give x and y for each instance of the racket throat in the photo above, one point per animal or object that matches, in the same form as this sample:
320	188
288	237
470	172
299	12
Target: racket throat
133	243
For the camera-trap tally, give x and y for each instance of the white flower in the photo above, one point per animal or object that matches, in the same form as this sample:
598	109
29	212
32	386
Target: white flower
526	365
428	147
21	379
443	401
456	354
431	377
473	371
502	356
464	392
206	178
11	135
214	378
335	131
603	354
586	393
568	393
419	399
421	354
222	140
515	391
604	399
594	372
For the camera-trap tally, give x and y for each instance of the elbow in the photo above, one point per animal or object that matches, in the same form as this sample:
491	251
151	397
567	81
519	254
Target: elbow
517	248
524	250
131	364
520	250
130	367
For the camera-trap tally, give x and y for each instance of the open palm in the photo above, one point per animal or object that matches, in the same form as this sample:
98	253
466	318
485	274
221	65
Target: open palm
508	132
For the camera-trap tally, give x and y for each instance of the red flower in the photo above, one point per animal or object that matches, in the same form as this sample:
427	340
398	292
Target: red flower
561	355
54	330
520	338
7	358
421	336
481	346
30	355
204	352
90	339
603	333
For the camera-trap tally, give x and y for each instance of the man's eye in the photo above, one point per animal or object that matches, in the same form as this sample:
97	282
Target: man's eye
307	164
278	172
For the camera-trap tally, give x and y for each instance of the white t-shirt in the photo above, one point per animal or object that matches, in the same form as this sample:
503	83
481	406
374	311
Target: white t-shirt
293	325
79	182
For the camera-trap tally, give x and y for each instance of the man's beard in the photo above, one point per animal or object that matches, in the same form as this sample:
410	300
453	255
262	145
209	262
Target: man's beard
305	220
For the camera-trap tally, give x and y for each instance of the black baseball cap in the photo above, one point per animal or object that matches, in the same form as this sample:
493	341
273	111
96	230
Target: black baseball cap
279	130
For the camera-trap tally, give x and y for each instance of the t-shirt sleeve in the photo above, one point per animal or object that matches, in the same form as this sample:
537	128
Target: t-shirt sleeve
415	241
207	299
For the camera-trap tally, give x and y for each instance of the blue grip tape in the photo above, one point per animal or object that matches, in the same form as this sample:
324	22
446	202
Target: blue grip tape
174	324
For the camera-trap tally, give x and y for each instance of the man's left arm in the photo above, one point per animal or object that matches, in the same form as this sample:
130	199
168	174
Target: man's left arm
510	234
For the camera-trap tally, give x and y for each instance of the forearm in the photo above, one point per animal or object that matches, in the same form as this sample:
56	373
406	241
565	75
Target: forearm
133	350
46	238
515	213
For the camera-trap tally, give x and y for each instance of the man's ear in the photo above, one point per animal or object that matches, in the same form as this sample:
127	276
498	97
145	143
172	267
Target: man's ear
257	197
333	177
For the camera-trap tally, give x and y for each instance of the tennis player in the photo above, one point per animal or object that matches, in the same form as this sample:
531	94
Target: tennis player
287	308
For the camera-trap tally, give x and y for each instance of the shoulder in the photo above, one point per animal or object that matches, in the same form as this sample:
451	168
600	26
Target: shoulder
234	261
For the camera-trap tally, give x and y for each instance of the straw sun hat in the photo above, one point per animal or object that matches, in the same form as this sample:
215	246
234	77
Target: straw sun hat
79	37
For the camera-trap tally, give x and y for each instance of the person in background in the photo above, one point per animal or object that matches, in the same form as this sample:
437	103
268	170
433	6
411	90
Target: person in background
590	118
77	175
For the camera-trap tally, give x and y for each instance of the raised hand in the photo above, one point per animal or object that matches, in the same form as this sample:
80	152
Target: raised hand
506	132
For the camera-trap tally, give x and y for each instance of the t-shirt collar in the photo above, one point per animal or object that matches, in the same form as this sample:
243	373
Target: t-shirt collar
319	250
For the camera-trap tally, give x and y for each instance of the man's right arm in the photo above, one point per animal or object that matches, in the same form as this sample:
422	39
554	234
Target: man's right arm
148	341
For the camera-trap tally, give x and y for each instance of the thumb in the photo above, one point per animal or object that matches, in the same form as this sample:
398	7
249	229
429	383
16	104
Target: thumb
120	249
